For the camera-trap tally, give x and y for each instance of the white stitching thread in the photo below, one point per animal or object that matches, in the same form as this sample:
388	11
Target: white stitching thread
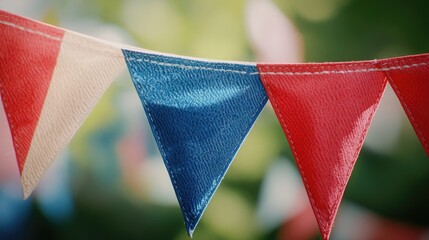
348	71
407	109
190	67
324	227
62	40
356	155
247	129
163	153
292	145
31	31
230	70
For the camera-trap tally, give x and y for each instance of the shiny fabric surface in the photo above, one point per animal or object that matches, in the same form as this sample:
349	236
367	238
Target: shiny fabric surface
325	111
200	112
411	85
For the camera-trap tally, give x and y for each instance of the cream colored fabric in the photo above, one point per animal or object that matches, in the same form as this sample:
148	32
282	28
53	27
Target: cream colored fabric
85	68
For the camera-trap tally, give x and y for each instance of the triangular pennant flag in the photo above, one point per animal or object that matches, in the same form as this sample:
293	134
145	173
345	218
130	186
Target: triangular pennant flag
325	111
50	79
409	78
200	112
29	55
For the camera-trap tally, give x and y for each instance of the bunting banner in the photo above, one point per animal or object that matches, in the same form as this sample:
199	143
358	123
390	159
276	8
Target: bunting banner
325	111
409	78
50	80
200	111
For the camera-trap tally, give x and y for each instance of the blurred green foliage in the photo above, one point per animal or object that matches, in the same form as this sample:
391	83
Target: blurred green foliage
393	184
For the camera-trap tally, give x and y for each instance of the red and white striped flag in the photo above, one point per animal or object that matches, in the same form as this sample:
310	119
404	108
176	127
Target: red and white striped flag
50	79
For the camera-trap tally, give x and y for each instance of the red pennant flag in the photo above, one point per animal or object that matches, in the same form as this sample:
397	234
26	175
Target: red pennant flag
50	79
325	111
23	84
409	78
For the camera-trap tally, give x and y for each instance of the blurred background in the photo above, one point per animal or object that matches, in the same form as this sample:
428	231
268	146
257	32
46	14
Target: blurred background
111	183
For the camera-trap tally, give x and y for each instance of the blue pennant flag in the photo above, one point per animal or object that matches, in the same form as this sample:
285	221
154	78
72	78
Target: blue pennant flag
200	112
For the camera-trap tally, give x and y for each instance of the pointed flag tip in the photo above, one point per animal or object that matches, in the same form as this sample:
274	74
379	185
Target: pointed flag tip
326	232
31	176
191	224
190	232
43	122
326	224
325	236
27	189
25	195
198	132
326	158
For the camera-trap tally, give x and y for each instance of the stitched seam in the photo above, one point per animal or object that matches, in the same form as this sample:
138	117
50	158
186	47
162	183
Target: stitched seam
292	144
204	200
31	30
12	127
347	71
244	72
246	129
356	154
407	109
350	167
190	67
314	66
385	62
155	130
210	191
173	178
59	39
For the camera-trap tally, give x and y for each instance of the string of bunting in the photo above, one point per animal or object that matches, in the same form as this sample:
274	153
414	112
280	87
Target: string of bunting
200	111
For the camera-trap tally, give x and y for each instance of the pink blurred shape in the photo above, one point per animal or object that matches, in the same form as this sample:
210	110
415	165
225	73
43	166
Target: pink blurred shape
131	151
272	35
356	223
8	166
302	226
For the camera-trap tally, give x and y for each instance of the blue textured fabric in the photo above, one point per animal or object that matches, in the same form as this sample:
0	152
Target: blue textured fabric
200	112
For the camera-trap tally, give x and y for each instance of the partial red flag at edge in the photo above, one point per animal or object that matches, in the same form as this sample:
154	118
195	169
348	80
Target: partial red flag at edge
409	78
325	111
29	55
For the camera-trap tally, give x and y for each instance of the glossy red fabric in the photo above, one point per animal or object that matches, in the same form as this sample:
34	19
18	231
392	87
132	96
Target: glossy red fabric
29	52
409	78
325	111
